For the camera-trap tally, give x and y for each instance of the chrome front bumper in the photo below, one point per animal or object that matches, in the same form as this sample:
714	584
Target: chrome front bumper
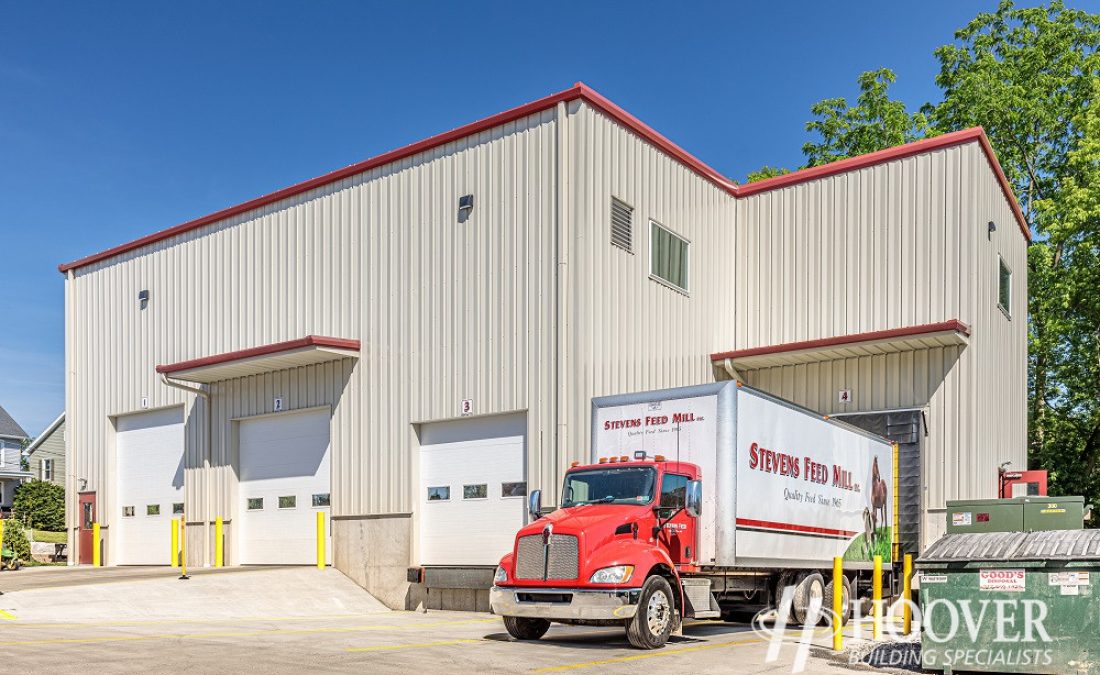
562	604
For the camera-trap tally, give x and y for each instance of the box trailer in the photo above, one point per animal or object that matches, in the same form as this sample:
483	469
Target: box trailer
706	501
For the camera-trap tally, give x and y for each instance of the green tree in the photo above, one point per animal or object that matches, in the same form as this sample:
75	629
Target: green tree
41	505
1028	76
15	540
765	172
875	122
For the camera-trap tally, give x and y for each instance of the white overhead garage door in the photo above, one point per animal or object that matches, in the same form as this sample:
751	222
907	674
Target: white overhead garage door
473	489
149	466
284	481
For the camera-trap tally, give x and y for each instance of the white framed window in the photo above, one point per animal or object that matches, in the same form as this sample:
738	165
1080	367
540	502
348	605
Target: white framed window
439	493
478	491
127	512
255	503
47	469
177	508
517	489
669	257
288	502
322	499
152	509
1004	286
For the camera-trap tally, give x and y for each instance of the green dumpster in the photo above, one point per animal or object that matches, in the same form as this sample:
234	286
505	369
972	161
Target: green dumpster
1011	602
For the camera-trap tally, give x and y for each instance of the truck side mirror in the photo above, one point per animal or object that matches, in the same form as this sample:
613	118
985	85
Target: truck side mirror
693	500
534	504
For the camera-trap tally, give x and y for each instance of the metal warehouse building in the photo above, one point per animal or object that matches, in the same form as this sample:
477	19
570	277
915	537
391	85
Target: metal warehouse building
411	343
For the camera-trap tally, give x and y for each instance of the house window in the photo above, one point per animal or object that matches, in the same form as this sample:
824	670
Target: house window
47	469
255	503
480	491
668	257
288	502
177	508
127	512
439	494
323	499
513	489
1004	286
152	509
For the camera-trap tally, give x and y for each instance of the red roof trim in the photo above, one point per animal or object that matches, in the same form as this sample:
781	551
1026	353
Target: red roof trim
890	154
264	350
582	91
842	340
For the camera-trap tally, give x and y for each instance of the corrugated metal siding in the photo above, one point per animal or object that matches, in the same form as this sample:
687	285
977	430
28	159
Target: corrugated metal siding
899	244
445	310
627	332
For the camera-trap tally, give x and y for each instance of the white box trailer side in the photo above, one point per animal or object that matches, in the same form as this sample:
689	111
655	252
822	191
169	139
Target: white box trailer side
783	486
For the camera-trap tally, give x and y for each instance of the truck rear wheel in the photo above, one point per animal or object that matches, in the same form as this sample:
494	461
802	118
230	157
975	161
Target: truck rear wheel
845	601
809	595
523	628
653	623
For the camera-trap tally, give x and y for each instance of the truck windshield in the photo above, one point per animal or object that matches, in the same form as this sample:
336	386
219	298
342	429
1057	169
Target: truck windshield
625	485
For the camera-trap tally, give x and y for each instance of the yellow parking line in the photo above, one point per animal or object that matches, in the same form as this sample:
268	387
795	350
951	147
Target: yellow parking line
656	654
646	655
439	643
7	616
225	634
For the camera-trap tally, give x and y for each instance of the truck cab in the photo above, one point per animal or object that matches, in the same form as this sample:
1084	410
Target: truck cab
612	554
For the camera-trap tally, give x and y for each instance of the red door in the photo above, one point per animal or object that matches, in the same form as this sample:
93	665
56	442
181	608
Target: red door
87	517
678	529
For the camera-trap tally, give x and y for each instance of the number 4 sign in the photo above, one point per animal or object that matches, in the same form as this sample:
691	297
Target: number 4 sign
844	396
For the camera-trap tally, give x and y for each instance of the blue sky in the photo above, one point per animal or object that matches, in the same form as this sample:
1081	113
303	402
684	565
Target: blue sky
119	119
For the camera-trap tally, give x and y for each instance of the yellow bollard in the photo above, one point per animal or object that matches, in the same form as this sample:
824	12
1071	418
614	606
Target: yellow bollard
175	557
219	550
320	540
838	604
183	547
1	534
907	594
876	600
95	545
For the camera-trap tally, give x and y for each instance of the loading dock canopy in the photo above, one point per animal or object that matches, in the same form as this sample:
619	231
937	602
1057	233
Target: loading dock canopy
944	334
306	351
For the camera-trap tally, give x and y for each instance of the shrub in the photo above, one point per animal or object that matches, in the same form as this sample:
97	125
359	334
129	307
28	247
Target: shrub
15	539
40	505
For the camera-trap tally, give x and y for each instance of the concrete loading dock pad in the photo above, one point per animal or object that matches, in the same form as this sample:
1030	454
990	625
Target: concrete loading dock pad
130	621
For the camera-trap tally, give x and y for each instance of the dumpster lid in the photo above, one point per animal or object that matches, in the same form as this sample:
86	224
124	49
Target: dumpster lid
1051	545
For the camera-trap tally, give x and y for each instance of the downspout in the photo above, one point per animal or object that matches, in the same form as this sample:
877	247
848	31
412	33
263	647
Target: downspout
727	365
208	423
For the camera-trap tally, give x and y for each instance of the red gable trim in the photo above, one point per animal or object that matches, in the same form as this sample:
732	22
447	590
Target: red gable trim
308	341
890	154
843	340
583	92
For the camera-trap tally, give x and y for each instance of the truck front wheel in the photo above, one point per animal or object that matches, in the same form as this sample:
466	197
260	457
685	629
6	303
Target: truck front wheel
653	623
523	628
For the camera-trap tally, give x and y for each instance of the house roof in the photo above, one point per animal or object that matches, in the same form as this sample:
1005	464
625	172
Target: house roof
46	434
583	92
9	427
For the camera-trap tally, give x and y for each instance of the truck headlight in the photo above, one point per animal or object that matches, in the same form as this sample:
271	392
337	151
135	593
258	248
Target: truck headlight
619	574
501	576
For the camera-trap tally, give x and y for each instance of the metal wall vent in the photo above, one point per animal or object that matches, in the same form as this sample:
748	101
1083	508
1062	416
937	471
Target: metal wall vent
622	225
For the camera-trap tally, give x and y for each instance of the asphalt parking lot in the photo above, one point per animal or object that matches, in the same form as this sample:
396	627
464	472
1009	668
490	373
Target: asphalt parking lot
155	625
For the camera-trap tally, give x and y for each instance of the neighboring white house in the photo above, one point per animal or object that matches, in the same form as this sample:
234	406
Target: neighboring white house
46	455
12	438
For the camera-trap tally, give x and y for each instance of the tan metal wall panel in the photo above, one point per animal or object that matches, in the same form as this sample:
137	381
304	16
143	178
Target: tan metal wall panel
898	244
444	310
628	332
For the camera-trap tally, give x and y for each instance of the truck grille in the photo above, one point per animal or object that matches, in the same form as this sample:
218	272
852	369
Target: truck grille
533	563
